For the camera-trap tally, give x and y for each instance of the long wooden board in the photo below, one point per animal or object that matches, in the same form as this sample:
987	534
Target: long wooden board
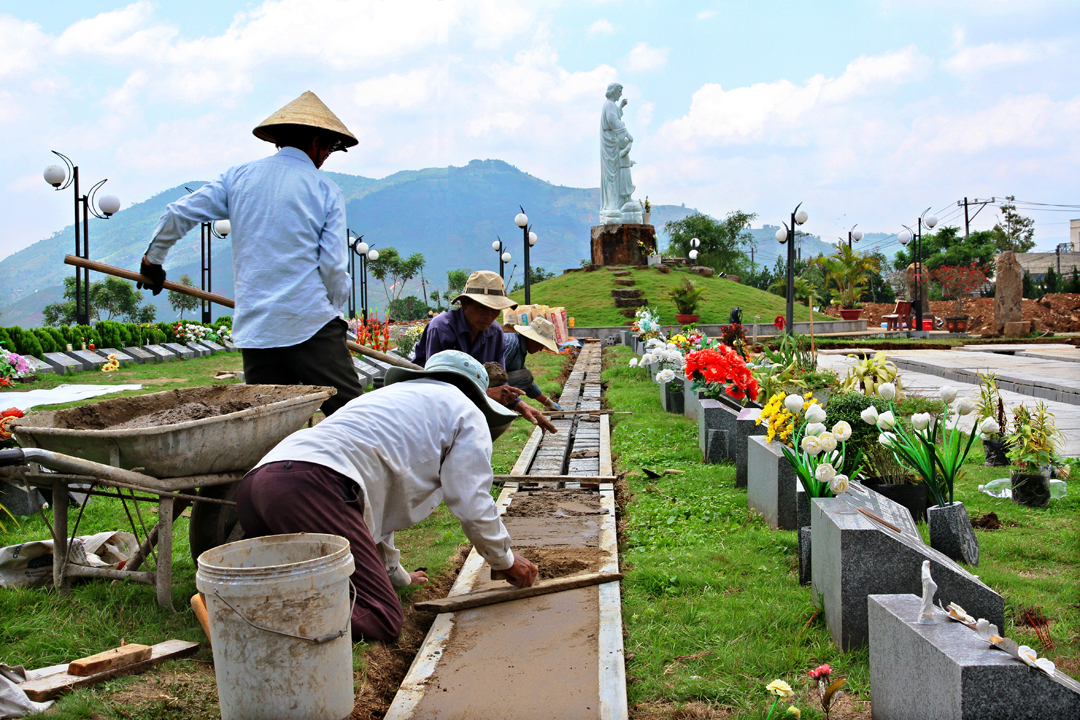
51	686
500	595
109	660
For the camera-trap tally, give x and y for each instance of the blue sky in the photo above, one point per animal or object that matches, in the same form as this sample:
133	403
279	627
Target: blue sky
866	112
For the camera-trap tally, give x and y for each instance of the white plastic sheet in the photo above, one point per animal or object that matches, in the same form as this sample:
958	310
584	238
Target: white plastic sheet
13	701
59	394
30	564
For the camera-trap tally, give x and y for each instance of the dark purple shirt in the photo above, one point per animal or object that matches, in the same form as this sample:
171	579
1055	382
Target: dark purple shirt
449	331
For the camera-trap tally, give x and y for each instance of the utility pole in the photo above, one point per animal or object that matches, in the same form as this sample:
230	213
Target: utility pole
965	203
967	223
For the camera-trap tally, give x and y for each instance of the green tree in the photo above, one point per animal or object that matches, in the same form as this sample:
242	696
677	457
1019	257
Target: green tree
407	308
536	275
946	247
114	296
181	301
398	270
723	243
1051	281
848	273
1073	285
1013	231
455	283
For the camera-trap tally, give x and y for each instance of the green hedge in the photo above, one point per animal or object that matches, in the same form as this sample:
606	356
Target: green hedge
105	334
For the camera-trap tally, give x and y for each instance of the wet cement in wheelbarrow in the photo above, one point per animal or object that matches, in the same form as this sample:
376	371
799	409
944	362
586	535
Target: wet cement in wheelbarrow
168	408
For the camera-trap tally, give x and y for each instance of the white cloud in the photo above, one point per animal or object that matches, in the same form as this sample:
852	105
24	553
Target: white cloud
706	14
601	27
994	56
643	57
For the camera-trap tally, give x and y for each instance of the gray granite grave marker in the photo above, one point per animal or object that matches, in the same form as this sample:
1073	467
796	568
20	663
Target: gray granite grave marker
772	487
212	346
196	348
163	354
61	363
745	427
89	359
184	352
38	366
121	357
140	356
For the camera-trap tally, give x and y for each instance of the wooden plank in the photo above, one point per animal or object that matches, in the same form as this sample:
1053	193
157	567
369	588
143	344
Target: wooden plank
555	478
605	446
51	686
528	453
108	660
500	595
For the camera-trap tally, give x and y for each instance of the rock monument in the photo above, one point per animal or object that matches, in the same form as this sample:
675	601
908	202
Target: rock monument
1008	291
621	238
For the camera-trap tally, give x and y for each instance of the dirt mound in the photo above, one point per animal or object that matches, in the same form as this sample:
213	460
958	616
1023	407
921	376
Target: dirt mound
1058	312
555	562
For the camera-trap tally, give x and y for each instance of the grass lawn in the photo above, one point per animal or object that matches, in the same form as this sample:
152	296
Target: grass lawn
587	298
39	627
711	603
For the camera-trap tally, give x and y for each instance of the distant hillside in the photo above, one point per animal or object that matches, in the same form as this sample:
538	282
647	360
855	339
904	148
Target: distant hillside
451	215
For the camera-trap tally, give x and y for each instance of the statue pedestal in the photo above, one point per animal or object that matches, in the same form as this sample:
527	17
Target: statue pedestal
618	244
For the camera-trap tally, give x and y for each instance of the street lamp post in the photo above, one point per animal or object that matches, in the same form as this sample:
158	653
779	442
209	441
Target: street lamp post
907	236
217	229
504	257
798	217
522	221
853	234
366	253
694	245
60	178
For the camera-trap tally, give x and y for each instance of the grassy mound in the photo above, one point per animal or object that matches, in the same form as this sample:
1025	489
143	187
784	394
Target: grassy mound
587	298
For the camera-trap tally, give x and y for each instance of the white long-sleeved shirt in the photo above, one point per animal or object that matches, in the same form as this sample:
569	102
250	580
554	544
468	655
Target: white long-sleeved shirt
410	446
290	260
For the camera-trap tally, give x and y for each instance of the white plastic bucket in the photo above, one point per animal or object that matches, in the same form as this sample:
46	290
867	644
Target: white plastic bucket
293	584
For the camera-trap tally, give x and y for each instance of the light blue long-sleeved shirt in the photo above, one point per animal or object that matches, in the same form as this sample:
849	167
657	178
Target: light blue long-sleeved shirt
288	240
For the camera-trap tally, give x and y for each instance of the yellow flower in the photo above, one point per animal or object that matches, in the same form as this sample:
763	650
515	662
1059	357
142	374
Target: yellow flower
794	711
808	395
780	688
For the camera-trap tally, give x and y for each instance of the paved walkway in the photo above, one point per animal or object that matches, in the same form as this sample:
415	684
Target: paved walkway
1063	373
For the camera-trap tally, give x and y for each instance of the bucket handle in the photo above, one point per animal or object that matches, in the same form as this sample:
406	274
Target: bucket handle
316	640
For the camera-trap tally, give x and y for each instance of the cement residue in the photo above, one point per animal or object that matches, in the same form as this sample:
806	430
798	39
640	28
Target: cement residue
166	408
554	503
555	562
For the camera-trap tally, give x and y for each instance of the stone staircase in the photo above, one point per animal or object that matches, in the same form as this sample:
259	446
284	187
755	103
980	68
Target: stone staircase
627	299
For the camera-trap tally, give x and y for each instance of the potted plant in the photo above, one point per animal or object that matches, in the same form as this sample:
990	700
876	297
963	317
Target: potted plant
662	358
990	405
1034	445
646	212
958	281
849	272
686	296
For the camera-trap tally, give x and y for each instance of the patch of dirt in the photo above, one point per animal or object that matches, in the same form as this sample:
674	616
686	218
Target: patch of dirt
1032	617
557	562
182	413
680	711
385	665
554	503
181	689
989	521
1059	312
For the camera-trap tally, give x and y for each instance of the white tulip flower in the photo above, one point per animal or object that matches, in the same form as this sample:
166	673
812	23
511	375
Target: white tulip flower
672	346
989	426
815	414
920	421
811	445
825	472
869	415
793	403
842	431
887	439
828	441
886	420
887	391
633	362
947	393
965	406
815	428
839	484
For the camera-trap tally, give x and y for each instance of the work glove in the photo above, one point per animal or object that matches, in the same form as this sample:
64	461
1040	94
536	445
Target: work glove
555	406
154	273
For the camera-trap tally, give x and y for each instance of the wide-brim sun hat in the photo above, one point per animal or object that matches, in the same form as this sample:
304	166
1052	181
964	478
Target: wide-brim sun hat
486	288
542	331
468	375
307	110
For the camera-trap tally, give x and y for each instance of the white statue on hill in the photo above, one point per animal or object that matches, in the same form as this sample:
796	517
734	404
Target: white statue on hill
616	185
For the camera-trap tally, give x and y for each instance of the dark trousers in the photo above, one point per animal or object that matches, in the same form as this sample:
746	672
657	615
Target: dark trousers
293	497
322	359
523	380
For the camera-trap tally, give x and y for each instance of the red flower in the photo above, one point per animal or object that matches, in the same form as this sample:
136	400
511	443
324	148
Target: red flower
779	322
820	672
12	412
92	346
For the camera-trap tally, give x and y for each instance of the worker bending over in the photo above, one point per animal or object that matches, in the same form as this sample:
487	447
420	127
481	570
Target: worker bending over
526	340
374	468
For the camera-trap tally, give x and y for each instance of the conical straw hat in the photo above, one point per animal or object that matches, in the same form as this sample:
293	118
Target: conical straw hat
308	110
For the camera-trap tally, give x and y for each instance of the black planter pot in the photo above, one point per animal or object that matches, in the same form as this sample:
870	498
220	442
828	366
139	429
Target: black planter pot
674	401
913	497
1031	489
995	452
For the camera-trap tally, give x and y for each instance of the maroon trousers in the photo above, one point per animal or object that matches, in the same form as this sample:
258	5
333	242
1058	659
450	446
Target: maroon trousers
294	497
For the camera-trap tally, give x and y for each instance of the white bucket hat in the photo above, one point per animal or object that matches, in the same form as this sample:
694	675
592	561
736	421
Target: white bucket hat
307	110
542	331
486	288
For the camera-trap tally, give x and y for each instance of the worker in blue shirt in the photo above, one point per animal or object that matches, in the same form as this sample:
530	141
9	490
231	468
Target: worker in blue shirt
525	340
289	252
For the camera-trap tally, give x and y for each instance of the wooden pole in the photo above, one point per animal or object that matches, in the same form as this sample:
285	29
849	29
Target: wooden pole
501	595
219	300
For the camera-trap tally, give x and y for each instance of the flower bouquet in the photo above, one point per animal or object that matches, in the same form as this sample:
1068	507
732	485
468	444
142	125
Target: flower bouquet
818	455
646	324
720	370
12	365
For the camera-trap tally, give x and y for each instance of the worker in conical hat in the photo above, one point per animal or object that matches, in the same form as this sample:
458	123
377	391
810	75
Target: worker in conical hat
289	251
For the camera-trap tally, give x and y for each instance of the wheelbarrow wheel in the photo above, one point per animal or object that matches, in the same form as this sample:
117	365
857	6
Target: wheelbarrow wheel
213	524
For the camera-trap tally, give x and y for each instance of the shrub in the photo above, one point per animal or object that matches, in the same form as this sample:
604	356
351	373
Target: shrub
848	406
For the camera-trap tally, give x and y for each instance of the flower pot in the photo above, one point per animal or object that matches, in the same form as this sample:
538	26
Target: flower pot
850	313
686	319
913	497
646	217
956	324
995	452
672	397
1031	489
951	533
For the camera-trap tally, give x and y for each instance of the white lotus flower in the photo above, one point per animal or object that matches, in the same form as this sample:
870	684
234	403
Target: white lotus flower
986	629
815	414
828	441
811	446
1028	655
793	403
633	362
886	421
869	415
947	393
1045	665
825	472
965	406
842	431
887	439
989	427
839	484
887	391
920	421
815	428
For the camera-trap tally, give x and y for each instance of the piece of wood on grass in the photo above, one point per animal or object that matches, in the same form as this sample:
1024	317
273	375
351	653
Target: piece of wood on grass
500	595
109	659
51	686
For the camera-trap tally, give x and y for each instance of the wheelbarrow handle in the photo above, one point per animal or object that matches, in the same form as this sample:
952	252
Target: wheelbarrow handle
12	456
